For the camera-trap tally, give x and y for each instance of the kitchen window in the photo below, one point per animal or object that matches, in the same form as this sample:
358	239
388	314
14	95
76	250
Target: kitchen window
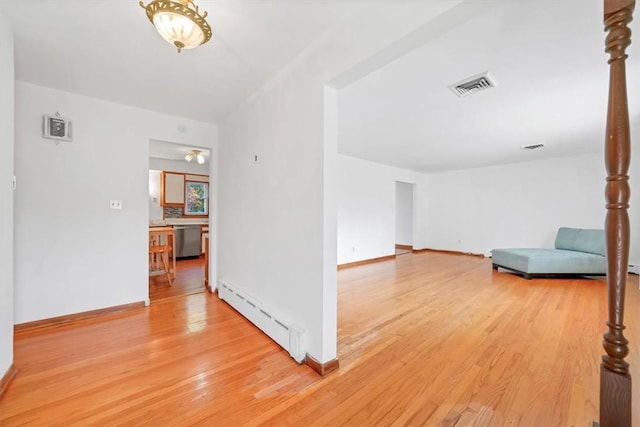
196	199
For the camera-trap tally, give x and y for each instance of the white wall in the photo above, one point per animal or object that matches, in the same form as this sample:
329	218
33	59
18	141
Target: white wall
272	213
6	194
476	210
367	205
515	205
178	166
155	210
404	213
73	253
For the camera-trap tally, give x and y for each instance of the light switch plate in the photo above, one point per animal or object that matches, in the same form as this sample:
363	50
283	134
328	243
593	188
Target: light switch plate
115	204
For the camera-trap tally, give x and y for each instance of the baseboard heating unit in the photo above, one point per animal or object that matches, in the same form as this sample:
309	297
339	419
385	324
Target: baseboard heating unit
287	334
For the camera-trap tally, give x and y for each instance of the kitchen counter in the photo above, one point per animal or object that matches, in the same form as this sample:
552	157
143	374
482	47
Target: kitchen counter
185	221
178	221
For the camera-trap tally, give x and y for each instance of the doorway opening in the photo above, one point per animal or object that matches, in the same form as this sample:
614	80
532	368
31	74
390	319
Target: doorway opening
179	204
404	217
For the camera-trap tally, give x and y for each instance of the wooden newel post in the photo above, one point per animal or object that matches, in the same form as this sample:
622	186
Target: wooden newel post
615	381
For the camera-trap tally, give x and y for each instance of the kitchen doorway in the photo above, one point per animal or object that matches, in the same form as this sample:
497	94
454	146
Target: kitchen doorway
179	203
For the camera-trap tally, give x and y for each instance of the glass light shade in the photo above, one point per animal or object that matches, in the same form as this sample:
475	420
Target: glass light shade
178	30
179	22
200	158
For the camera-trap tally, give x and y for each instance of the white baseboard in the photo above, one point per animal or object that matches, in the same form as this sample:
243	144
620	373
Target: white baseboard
635	269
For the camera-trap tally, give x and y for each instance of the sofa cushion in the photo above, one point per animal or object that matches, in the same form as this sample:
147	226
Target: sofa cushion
581	240
549	261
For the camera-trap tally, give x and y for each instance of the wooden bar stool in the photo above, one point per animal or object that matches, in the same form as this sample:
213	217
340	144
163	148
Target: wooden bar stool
161	244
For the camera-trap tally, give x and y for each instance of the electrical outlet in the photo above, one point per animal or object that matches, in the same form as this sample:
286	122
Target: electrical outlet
115	204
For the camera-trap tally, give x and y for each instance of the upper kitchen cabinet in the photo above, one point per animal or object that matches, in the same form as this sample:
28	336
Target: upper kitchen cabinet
196	178
172	189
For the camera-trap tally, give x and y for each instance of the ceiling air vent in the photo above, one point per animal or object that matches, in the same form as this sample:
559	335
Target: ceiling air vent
532	147
474	84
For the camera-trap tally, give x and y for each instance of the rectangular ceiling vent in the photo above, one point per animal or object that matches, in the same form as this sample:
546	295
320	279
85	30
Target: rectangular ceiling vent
532	147
474	84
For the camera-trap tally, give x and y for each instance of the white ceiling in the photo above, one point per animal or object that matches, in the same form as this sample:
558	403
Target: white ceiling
172	151
547	57
552	76
108	49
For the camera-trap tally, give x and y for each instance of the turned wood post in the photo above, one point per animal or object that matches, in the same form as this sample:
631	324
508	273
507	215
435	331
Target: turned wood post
615	381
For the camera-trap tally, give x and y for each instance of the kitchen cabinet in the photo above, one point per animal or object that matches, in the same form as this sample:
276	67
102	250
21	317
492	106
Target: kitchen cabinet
172	189
197	178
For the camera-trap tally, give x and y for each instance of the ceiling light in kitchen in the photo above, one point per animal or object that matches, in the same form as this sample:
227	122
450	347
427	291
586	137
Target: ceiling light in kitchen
195	154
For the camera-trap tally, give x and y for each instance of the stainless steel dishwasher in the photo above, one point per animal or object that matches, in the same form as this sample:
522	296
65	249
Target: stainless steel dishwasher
187	240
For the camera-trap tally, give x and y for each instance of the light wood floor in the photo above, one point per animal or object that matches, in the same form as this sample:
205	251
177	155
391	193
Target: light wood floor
189	279
429	339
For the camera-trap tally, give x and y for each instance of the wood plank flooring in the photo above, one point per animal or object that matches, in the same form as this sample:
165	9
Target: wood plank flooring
189	279
426	340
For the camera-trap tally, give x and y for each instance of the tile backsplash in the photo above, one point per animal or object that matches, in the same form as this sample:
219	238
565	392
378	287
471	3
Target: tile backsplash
173	212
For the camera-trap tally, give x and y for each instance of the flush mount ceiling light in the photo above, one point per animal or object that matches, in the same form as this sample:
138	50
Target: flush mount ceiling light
197	154
179	22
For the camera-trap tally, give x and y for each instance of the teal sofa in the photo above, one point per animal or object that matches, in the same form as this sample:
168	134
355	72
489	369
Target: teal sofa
578	252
